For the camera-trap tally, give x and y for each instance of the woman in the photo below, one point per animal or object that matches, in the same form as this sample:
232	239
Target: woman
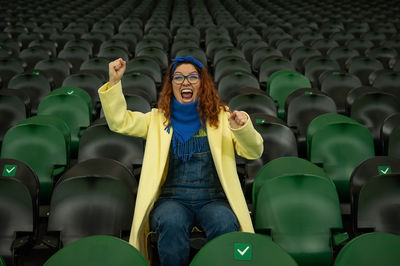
189	173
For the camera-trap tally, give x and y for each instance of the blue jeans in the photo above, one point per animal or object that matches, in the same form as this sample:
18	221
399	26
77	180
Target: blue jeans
173	221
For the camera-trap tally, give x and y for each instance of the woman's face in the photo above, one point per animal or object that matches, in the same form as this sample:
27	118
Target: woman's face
186	83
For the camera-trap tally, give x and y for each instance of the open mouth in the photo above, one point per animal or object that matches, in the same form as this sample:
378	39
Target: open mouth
187	95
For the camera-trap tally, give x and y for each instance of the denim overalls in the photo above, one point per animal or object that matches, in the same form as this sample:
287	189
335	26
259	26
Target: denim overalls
194	180
191	196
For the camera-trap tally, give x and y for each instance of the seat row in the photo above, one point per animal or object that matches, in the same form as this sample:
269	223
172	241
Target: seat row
295	203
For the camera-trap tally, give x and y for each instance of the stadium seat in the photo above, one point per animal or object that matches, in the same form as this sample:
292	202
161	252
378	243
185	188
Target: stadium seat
365	171
227	52
389	124
371	108
231	84
341	37
230	65
215	44
97	250
140	84
261	54
382	53
362	67
112	53
80	43
48	136
94	197
341	54
196	52
336	85
74	106
30	56
338	143
299	54
315	66
369	250
181	44
98	141
9	67
302	214
249	46
75	55
46	44
19	188
271	65
281	84
386	81
253	101
378	204
12	110
87	82
55	69
34	85
158	54
147	66
239	248
301	107
97	66
279	141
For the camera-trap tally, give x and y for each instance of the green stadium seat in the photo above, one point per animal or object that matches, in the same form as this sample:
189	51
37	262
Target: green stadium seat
239	248
98	251
369	250
43	143
338	143
302	214
74	106
283	82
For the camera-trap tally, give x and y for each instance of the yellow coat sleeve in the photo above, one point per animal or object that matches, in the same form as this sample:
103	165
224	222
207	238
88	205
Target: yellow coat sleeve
247	141
119	119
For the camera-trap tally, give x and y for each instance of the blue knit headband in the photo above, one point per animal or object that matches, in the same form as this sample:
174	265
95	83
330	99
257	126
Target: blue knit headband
179	60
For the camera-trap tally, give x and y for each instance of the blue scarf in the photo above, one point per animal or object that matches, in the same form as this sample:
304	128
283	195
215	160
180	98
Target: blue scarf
185	120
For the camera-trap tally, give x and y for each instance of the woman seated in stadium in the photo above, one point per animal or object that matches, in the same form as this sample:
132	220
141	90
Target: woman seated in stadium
189	173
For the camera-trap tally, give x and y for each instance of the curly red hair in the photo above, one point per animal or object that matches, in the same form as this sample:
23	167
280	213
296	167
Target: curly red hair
209	104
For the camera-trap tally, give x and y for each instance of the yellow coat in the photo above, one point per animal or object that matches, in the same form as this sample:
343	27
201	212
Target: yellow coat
223	142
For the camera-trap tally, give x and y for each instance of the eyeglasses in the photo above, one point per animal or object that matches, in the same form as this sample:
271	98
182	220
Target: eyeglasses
179	78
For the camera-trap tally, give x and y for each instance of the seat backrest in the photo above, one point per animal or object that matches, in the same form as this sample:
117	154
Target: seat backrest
339	144
253	102
35	85
300	210
97	250
371	109
16	213
282	83
99	141
365	171
378	204
86	201
74	106
240	248
369	250
47	136
303	105
284	166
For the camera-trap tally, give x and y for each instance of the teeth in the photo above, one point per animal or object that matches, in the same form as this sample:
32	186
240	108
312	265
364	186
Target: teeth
184	91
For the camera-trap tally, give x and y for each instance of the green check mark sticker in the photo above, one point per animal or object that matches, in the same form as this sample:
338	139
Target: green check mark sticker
242	251
384	170
9	170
